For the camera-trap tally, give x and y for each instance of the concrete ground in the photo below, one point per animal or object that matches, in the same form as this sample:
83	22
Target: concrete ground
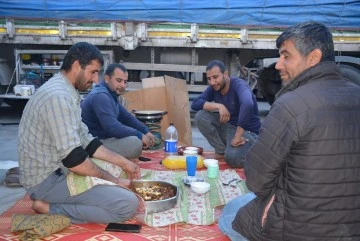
9	120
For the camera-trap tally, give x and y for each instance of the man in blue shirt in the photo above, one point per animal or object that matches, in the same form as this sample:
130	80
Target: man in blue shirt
227	115
109	120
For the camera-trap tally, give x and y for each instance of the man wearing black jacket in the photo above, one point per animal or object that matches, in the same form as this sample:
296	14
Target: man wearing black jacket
304	167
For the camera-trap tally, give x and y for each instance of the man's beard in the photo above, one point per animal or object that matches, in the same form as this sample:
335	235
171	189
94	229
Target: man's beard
286	83
222	86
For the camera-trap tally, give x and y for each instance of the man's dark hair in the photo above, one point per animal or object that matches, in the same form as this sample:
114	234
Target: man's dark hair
111	68
83	52
308	36
217	63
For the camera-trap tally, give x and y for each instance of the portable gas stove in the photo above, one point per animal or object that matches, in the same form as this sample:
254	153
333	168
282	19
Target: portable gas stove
152	119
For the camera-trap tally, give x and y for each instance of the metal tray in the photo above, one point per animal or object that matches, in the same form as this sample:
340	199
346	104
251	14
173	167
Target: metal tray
160	205
149	115
149	112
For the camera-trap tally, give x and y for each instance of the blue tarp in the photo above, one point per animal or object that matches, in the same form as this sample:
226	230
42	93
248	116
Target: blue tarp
263	13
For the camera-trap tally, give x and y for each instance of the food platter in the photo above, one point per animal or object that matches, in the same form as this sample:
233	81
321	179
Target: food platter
157	205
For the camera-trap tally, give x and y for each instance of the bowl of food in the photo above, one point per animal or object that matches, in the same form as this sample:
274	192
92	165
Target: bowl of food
208	162
159	196
200	187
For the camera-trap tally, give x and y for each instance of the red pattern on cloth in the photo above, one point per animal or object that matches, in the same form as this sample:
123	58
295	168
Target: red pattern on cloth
178	231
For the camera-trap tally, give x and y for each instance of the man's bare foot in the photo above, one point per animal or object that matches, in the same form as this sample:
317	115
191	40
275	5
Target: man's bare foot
219	157
40	206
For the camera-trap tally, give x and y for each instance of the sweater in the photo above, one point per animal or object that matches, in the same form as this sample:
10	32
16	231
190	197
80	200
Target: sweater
240	102
106	117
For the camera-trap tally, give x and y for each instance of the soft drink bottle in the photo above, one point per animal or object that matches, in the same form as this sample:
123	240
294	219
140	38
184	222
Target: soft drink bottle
171	139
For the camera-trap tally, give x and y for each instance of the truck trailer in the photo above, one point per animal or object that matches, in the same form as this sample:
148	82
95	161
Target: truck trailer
176	38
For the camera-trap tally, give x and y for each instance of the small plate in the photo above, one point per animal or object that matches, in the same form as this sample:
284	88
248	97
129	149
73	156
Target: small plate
190	148
187	180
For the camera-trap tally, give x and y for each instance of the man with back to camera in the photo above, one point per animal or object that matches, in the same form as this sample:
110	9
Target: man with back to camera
53	141
227	114
304	167
109	120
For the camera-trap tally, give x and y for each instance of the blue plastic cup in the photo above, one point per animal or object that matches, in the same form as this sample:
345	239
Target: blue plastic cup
191	162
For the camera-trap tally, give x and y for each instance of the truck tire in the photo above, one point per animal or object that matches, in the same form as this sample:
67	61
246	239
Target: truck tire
350	73
18	104
2	91
269	82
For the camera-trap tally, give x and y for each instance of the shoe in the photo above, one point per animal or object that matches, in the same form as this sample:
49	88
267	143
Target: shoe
12	177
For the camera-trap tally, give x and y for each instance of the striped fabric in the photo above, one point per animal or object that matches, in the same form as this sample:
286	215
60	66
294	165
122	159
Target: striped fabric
50	128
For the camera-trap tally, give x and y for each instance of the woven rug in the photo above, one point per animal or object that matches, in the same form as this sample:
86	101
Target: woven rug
175	229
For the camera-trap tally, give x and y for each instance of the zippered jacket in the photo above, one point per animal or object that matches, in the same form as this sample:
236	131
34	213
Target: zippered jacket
308	155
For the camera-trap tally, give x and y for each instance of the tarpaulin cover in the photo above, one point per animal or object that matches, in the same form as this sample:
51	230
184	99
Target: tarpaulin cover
266	13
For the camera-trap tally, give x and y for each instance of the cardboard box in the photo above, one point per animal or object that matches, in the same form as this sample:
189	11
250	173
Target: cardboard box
166	94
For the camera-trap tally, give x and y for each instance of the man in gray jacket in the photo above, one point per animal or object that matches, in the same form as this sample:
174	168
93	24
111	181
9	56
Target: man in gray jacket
304	167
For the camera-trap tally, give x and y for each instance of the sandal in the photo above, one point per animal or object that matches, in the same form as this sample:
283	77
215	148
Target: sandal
12	177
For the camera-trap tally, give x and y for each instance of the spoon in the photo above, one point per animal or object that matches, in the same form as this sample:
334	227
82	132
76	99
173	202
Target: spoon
232	183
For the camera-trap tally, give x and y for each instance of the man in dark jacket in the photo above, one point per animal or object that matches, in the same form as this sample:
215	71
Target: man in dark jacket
109	120
304	167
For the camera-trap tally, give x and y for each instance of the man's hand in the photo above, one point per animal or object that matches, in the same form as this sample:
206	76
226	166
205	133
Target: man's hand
223	111
238	138
124	182
148	140
131	169
224	114
238	141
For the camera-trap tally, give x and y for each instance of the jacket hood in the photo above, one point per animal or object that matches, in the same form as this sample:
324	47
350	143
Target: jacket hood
103	88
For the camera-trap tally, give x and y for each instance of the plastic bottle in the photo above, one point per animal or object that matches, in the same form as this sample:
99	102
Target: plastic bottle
171	139
179	162
213	170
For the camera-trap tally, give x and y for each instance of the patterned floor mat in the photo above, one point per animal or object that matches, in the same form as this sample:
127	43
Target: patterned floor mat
173	232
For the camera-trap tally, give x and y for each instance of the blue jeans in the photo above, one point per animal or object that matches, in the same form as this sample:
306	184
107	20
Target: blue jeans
228	215
219	136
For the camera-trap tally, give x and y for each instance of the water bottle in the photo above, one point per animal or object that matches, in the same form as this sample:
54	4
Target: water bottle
171	139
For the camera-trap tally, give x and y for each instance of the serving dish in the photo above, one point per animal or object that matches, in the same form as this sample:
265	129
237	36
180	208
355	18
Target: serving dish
159	205
190	148
200	187
187	180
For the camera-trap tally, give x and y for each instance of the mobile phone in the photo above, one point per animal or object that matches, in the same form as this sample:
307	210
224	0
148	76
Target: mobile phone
144	159
123	227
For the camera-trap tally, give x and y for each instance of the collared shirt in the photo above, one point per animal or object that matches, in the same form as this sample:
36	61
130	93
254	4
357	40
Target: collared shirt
50	128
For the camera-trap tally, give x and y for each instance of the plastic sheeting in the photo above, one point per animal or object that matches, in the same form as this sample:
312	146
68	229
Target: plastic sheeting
267	13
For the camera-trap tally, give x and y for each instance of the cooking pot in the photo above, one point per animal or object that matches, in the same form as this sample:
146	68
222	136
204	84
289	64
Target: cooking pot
149	115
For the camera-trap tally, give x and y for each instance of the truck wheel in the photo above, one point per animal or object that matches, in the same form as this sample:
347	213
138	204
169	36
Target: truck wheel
18	104
2	91
350	73
269	82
